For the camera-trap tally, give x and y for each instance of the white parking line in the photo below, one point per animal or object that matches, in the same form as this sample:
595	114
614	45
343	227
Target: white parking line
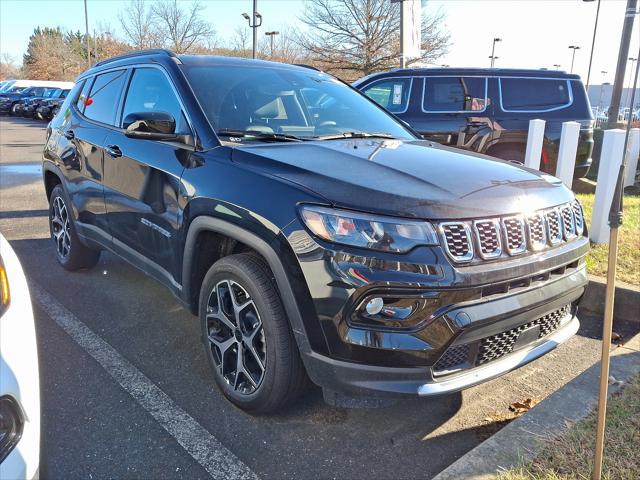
193	437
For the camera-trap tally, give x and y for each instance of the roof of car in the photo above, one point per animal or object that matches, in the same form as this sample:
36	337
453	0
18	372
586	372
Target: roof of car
489	72
155	55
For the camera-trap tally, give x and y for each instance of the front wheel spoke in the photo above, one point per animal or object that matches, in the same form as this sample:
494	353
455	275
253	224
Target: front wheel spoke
224	345
256	355
221	317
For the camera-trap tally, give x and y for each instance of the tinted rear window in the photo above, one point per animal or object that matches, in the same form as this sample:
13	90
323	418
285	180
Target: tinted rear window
454	94
534	94
102	103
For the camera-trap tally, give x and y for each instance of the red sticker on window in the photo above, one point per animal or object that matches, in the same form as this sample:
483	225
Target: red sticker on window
88	101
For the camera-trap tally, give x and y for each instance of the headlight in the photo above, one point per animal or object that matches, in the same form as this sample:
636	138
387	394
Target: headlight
367	231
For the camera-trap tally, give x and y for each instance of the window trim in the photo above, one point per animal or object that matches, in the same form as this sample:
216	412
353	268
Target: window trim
552	109
486	93
125	93
383	79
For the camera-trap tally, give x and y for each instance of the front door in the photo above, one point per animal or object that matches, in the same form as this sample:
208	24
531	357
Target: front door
142	180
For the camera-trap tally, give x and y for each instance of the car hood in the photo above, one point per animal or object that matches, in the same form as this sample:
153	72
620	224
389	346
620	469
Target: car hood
415	179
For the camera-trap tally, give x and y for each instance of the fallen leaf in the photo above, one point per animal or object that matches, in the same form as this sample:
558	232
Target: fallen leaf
522	407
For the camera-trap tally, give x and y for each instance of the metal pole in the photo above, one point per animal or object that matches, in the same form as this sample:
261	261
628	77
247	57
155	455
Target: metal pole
255	27
493	51
593	44
633	60
623	55
86	26
403	62
615	220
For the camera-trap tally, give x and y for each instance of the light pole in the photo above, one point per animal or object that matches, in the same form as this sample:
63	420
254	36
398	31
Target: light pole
493	50
557	65
86	34
255	20
631	87
493	59
593	42
604	73
271	35
573	55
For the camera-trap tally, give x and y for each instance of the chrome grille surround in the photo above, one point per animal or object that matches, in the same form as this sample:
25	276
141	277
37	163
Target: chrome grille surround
536	232
492	238
488	238
554	226
458	243
568	222
514	235
578	217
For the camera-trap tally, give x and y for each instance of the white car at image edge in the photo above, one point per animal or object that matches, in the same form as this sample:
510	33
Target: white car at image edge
19	378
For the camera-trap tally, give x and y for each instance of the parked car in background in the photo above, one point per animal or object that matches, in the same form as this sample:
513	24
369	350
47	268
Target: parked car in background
19	378
50	107
315	235
488	110
30	105
23	89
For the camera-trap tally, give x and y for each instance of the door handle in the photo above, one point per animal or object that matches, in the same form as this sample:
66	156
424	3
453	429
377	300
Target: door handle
69	135
114	151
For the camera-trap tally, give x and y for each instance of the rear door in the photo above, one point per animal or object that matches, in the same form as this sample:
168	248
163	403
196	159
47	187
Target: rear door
458	109
142	178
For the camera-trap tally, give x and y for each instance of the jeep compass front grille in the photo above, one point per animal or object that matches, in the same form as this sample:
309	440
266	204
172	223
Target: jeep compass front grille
513	235
467	355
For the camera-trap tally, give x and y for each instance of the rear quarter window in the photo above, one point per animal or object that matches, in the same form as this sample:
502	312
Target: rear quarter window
534	94
454	94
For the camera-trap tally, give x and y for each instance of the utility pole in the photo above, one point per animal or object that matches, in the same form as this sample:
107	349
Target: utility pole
255	20
493	51
86	35
593	42
623	55
271	35
573	57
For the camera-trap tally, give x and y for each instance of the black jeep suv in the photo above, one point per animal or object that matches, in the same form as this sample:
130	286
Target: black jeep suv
488	110
314	234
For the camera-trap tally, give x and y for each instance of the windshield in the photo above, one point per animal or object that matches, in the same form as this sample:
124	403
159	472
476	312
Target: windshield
52	93
16	89
304	104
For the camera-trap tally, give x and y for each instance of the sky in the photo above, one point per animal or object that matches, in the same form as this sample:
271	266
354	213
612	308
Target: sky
535	33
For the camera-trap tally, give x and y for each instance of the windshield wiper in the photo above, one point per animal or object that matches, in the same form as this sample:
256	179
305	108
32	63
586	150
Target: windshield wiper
339	136
280	137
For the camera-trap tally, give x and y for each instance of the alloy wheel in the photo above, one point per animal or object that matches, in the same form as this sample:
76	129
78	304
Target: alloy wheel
236	337
60	227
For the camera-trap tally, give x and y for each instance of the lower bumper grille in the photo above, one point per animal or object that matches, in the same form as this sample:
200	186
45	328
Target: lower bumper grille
462	356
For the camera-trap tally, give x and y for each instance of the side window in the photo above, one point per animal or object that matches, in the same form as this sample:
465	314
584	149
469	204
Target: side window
84	94
390	93
150	91
534	94
102	103
454	94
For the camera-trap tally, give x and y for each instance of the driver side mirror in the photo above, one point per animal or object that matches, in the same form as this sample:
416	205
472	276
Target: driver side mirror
150	126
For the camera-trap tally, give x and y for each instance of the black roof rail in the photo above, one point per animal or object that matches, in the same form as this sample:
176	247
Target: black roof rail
137	53
304	65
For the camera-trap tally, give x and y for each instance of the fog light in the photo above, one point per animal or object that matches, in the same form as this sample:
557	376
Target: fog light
374	306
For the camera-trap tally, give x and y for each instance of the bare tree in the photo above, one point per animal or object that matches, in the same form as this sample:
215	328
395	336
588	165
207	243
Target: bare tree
139	25
184	28
239	43
8	68
359	37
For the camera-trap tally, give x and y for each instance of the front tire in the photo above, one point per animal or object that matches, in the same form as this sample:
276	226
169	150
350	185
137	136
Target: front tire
247	337
71	253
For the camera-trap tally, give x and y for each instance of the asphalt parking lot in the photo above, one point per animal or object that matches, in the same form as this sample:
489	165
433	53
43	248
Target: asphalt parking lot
126	390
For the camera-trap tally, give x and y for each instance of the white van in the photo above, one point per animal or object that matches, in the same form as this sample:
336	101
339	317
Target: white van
11	85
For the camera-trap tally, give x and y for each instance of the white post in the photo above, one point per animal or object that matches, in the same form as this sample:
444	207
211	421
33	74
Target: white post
535	138
567	152
632	160
610	160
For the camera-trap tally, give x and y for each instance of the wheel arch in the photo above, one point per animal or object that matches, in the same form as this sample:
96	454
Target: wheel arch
207	225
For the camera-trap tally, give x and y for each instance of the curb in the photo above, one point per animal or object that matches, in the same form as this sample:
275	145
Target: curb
523	438
627	300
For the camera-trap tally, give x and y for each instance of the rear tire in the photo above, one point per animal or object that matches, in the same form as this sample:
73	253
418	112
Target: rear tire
71	253
242	316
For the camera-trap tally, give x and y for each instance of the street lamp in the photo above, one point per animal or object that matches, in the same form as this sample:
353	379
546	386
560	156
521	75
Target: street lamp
271	35
493	50
604	73
573	56
557	65
593	42
254	22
